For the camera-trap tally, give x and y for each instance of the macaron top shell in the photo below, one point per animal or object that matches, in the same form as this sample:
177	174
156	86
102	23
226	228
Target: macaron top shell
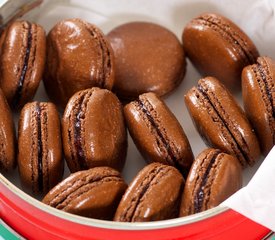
22	61
221	121
40	157
78	57
258	89
157	133
213	177
219	48
93	129
92	193
7	136
152	195
149	58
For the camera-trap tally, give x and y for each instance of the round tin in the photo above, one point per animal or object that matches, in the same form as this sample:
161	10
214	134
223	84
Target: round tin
34	220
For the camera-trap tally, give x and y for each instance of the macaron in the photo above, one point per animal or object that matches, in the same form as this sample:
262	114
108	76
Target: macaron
221	122
93	130
214	176
157	133
148	58
78	57
154	194
218	47
22	61
93	193
40	158
258	89
7	137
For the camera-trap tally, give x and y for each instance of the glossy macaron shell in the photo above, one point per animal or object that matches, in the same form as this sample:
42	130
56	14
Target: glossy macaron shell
157	133
217	47
258	89
154	194
148	58
93	129
213	177
78	57
91	193
22	61
7	136
40	158
220	120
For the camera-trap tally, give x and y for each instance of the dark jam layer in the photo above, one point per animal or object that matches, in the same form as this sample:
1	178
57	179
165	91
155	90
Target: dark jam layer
159	133
18	92
205	94
77	135
39	147
199	196
268	91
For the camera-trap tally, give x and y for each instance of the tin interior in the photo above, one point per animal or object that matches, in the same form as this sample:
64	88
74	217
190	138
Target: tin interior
51	12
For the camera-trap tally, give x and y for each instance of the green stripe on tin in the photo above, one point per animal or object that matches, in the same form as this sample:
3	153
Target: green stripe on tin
6	233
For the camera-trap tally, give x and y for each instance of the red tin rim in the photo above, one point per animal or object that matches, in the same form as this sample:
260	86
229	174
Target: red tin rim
34	220
111	224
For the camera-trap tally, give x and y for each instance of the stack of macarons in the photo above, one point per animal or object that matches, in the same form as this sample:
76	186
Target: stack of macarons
104	85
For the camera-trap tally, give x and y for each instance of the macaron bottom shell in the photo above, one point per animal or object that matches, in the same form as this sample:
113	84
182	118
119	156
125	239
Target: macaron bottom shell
154	194
93	193
214	176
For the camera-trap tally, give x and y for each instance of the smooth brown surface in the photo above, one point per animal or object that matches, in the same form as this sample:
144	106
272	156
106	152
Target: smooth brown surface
22	61
157	133
258	89
148	57
153	195
93	130
40	159
78	57
214	176
221	122
7	136
218	48
91	193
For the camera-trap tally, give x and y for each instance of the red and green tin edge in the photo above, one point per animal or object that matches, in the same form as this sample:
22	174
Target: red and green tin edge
35	220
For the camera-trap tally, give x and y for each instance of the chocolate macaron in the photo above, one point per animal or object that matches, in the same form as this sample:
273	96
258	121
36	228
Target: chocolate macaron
93	130
258	89
148	58
22	61
93	193
157	133
217	47
153	195
78	57
221	122
214	176
7	136
40	159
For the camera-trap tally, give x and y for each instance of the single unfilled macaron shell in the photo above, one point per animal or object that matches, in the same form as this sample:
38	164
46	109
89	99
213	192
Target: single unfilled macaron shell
148	58
258	89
